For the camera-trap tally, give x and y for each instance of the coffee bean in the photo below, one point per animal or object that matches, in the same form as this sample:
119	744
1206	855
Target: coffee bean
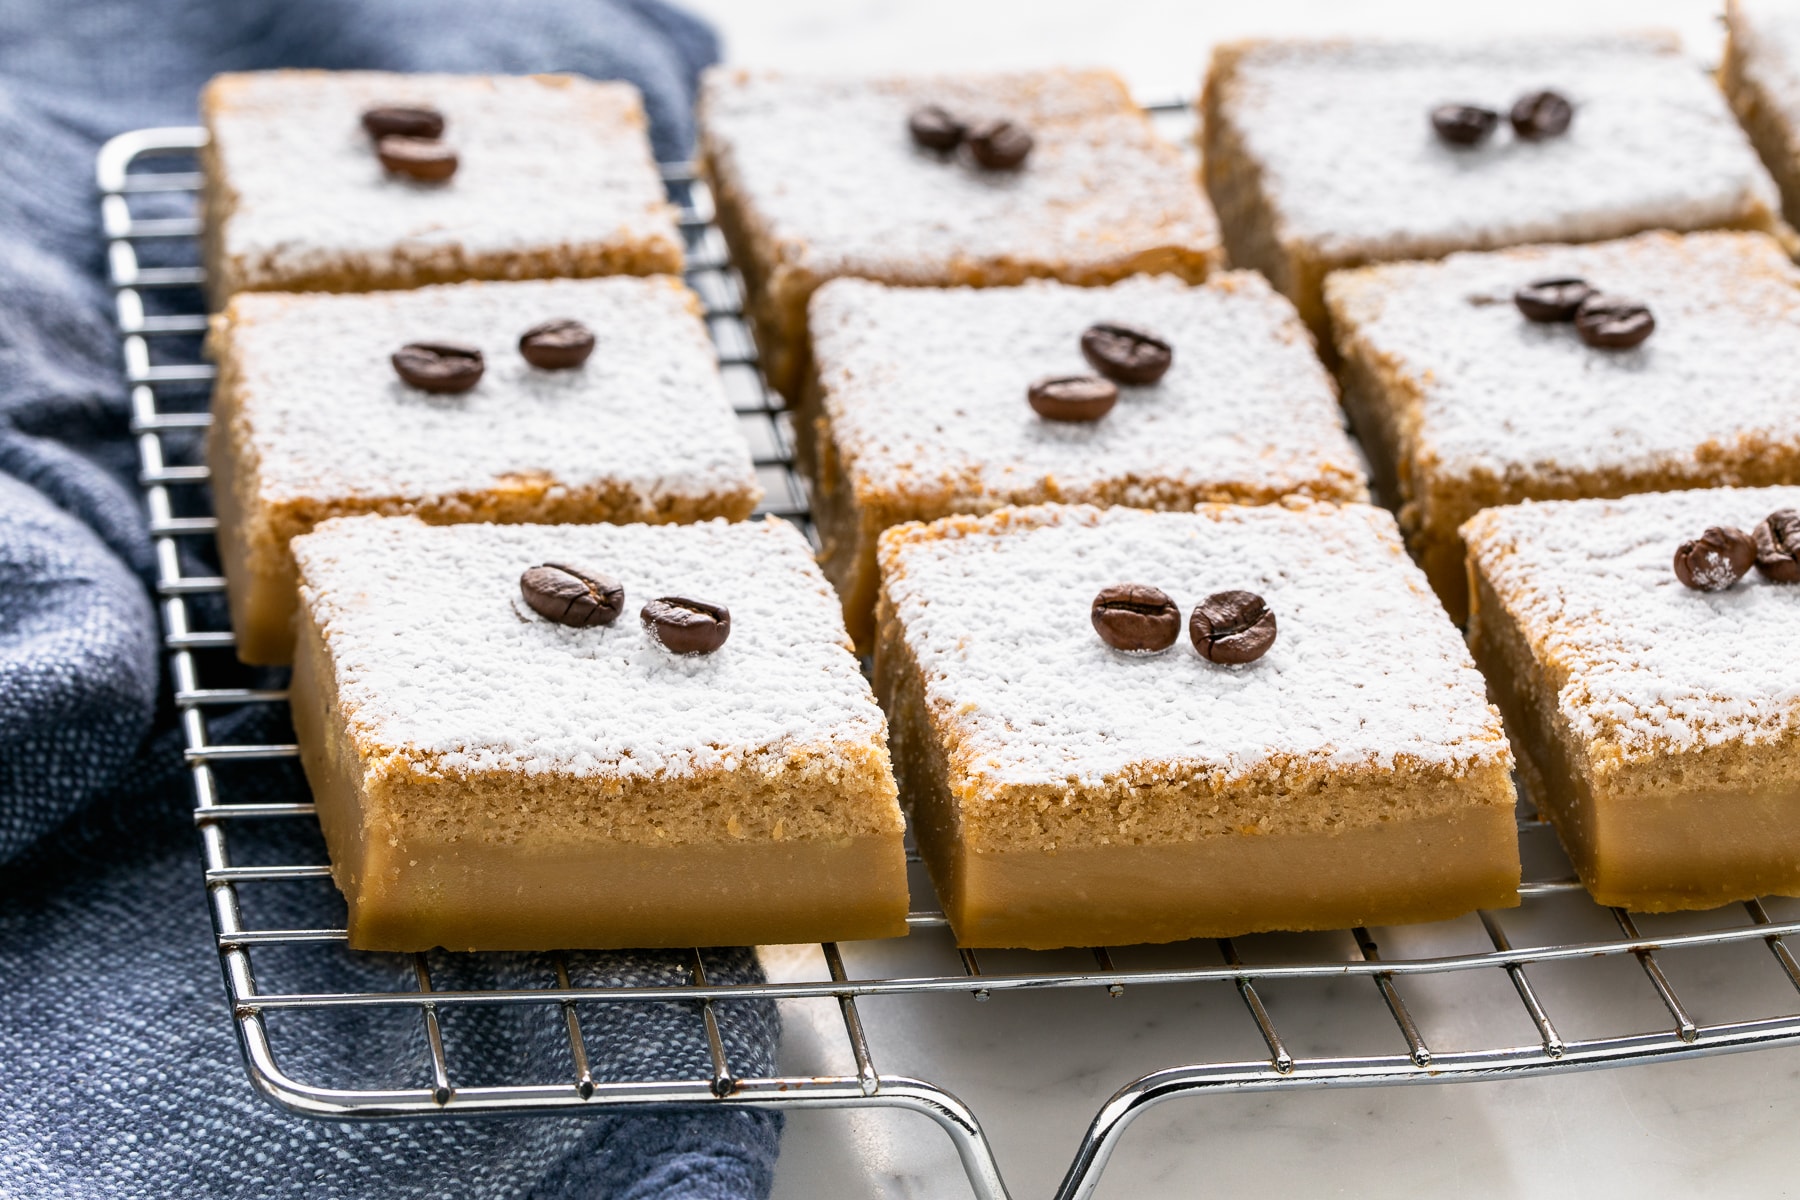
1715	560
1136	618
1232	627
1613	322
1126	353
439	366
424	159
1550	300
1539	115
687	626
557	345
1463	124
935	129
404	120
1072	397
1777	540
572	596
1000	145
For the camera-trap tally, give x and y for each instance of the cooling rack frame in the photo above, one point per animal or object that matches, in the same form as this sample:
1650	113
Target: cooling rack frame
1411	1059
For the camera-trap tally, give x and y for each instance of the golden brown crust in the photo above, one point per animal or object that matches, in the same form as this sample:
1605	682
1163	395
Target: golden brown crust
1067	863
1071	888
1160	802
1234	180
497	861
1248	222
1762	118
1674	830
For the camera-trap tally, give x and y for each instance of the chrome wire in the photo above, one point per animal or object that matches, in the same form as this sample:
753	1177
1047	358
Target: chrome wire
121	175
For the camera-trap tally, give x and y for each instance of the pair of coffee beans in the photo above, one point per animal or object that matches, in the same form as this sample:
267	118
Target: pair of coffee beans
581	599
1120	353
1603	321
997	145
1227	627
559	344
1724	554
409	141
1535	116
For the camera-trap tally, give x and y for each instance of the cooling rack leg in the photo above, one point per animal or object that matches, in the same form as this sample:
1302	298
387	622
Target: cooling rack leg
723	1083
1279	1058
1783	955
434	1037
954	1118
584	1077
1101	1138
867	1077
1684	1024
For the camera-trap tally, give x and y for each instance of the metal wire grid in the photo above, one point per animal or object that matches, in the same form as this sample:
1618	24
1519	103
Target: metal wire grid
1410	1058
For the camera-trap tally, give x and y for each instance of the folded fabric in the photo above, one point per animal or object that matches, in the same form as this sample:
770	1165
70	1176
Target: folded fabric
119	1073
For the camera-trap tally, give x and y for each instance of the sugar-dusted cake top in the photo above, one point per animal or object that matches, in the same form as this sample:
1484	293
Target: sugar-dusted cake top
328	417
1365	671
1641	662
1494	393
437	657
830	173
545	161
926	391
1342	136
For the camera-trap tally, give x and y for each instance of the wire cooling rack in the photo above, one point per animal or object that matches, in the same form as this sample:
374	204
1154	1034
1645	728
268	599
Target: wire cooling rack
1559	954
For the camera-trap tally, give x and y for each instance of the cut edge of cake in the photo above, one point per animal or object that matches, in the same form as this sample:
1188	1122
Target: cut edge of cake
1191	883
430	850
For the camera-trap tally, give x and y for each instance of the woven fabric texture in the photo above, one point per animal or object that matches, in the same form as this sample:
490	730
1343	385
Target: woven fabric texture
119	1073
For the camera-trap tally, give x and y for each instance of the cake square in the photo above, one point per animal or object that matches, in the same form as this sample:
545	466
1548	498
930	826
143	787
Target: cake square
488	779
1322	154
311	420
1065	793
819	177
920	408
1463	403
1660	724
1761	77
554	177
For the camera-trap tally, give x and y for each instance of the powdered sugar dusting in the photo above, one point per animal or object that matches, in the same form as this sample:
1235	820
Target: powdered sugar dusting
827	164
1365	669
927	389
1496	394
435	657
1641	662
545	161
1348	156
330	419
1714	571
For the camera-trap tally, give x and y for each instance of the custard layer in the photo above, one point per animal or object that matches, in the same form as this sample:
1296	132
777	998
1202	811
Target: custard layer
1386	874
1692	830
408	890
1393	867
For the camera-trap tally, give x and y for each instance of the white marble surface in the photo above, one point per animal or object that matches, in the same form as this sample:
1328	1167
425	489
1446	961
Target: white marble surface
1035	1067
1159	46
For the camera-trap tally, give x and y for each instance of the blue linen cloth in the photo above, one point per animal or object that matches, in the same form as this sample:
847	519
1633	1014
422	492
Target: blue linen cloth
119	1073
